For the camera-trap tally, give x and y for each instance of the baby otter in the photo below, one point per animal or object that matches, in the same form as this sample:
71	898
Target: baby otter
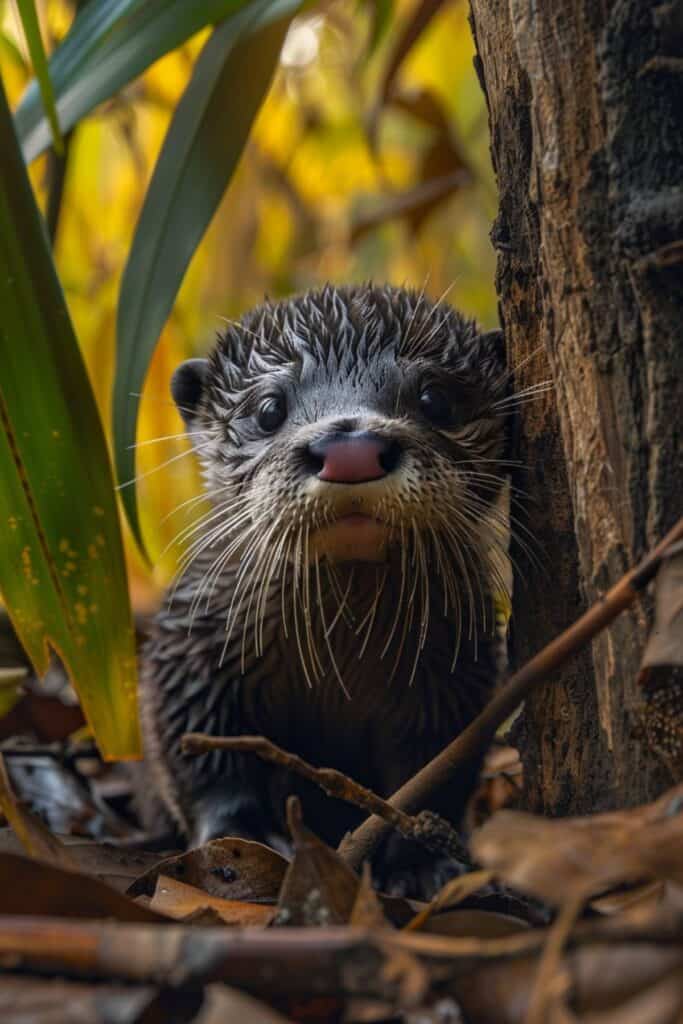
337	597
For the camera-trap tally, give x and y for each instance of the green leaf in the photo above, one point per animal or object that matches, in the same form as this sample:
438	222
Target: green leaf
29	21
62	571
381	12
110	43
200	152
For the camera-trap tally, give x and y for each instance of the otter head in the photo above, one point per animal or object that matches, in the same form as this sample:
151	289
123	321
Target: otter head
347	424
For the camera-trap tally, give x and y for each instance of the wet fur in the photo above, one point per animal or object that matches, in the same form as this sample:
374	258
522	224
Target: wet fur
370	668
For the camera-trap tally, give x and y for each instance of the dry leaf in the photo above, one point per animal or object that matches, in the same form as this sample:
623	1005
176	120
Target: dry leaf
33	887
367	909
179	900
452	893
233	869
554	858
319	887
118	866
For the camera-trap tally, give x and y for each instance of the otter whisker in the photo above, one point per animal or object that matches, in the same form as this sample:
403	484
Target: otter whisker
407	621
372	612
342	607
399	603
310	639
424	586
239	591
327	630
284	589
257	573
182	436
196	499
162	465
266	585
531	390
295	605
216	512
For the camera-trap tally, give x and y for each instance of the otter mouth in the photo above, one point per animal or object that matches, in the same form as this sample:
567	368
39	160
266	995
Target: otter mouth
352	537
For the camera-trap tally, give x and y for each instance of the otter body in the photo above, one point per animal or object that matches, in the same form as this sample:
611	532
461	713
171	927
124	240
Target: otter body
337	598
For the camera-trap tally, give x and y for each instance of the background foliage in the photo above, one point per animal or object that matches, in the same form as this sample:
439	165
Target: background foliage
312	201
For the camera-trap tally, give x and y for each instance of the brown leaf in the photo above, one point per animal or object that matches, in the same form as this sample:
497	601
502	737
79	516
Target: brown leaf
31	1000
319	887
222	1004
233	869
552	859
118	866
479	924
36	840
452	893
601	979
665	646
367	911
179	900
33	887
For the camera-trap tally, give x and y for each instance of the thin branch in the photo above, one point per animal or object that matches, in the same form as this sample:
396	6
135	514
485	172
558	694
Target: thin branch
331	781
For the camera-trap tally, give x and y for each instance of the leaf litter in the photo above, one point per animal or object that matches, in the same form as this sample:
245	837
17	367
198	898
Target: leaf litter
573	921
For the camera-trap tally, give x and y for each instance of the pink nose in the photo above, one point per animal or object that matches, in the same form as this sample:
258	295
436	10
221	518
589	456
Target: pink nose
350	459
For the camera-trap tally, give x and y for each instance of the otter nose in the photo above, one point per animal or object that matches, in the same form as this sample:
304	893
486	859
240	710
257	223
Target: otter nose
353	458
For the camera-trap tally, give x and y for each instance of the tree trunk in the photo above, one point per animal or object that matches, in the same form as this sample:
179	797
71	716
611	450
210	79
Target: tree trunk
585	102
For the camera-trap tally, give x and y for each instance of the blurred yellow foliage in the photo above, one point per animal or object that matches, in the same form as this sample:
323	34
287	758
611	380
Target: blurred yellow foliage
309	203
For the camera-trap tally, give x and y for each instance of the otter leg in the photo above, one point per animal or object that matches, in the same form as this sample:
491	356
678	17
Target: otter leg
186	688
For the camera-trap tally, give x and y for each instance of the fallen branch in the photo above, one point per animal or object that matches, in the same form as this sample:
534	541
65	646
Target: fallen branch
414	794
328	961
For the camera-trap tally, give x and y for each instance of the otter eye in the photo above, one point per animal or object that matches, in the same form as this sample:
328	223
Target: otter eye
271	413
435	405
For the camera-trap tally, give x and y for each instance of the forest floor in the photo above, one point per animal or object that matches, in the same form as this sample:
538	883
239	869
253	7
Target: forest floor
550	921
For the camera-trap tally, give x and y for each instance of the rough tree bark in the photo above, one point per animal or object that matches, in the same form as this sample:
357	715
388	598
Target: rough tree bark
585	102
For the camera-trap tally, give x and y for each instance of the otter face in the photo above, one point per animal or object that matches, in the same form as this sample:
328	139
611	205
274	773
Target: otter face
347	423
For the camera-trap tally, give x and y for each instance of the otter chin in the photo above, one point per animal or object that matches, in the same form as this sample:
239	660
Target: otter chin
338	596
352	538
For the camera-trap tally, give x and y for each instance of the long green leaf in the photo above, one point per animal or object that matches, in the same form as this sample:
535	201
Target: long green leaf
201	149
62	571
29	21
109	44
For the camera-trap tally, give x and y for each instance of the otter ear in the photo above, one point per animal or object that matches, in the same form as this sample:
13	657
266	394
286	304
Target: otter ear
187	384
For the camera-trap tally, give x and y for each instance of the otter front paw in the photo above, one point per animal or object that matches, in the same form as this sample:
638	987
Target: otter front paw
406	868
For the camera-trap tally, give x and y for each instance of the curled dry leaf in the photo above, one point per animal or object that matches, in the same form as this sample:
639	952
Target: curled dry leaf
551	859
452	893
319	888
233	869
30	887
180	901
